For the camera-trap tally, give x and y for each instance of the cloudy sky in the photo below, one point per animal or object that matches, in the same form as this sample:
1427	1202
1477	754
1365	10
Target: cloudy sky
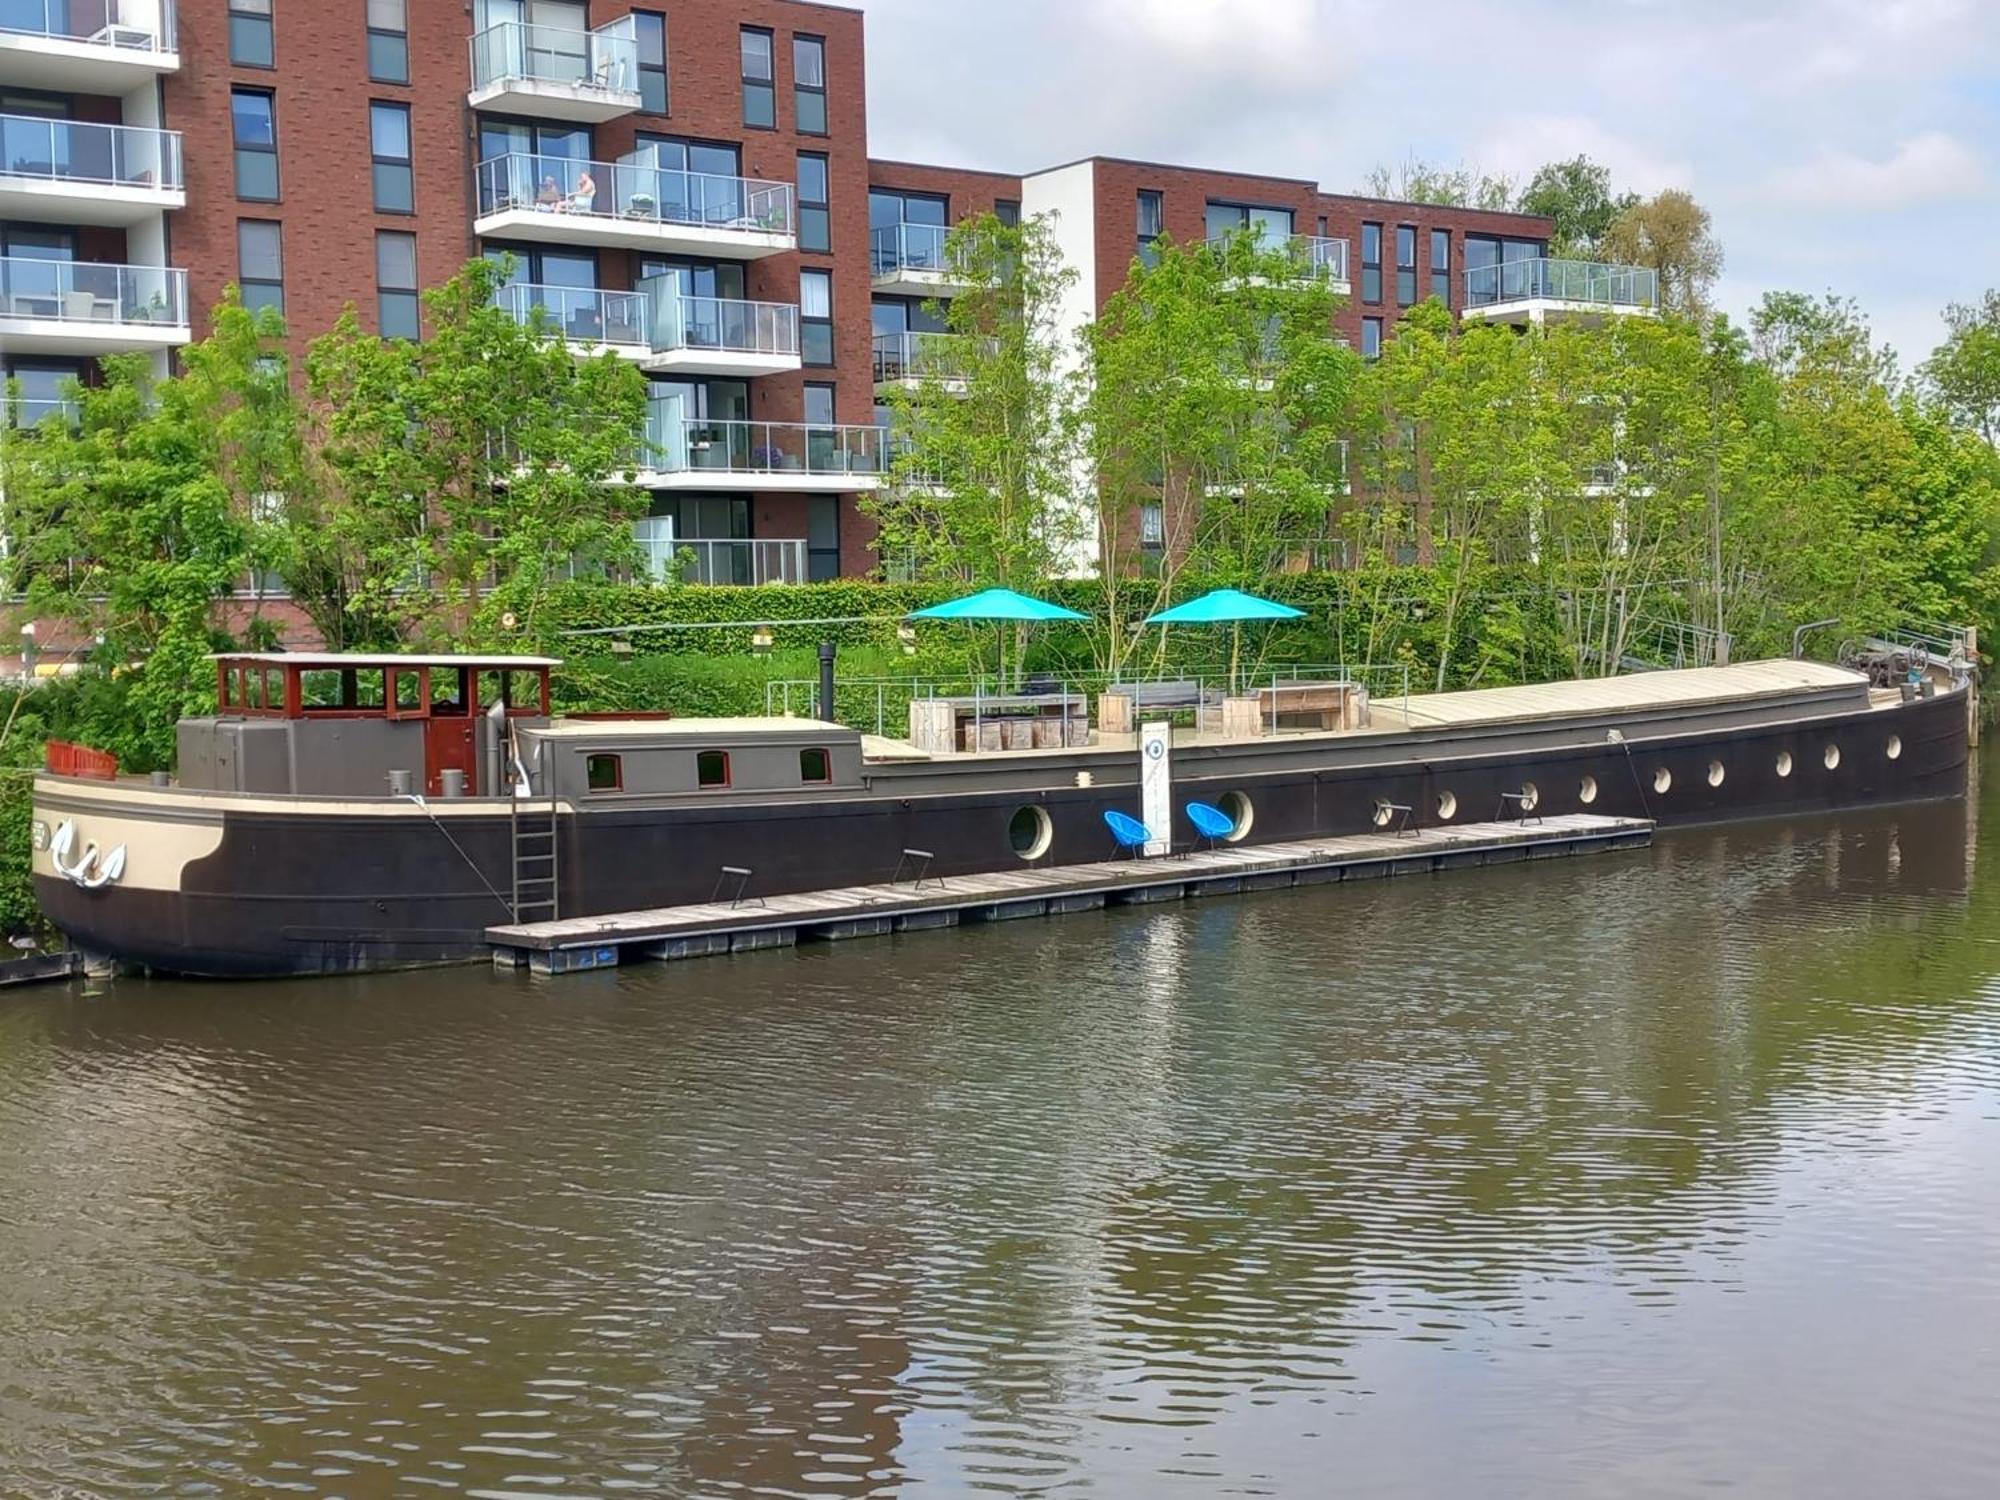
1842	145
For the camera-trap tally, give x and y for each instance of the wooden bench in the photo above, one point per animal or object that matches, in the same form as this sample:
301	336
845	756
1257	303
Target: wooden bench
1120	706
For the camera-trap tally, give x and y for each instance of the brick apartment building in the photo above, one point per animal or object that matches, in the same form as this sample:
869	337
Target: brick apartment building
686	185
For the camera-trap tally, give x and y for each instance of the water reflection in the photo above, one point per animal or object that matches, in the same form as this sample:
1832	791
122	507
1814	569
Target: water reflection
1623	1175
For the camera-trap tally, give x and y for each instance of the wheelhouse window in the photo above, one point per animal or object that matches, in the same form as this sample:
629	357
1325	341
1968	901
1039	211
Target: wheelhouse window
815	766
604	773
711	769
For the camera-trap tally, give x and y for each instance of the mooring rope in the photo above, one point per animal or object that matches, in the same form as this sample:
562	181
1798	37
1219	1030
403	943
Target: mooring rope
470	864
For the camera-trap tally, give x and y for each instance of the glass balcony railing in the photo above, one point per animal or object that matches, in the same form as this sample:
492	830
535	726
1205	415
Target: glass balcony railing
109	23
725	325
31	413
1310	255
635	191
718	560
678	445
86	292
582	315
910	247
606	59
76	151
1548	280
921	356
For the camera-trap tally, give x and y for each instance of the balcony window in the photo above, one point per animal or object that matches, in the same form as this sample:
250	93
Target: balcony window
250	44
760	95
396	284
389	141
1371	263
651	28
1406	264
815	221
253	115
816	317
389	41
1371	338
809	84
260	264
1007	211
1152	221
1441	265
1271	227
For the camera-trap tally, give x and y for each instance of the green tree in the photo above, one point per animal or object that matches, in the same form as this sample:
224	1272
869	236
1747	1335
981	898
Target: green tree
985	420
1414	180
1672	235
460	479
1964	373
1577	195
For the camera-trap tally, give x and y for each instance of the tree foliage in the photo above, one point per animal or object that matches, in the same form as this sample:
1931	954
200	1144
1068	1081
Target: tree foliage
1577	194
1964	373
1671	235
1414	180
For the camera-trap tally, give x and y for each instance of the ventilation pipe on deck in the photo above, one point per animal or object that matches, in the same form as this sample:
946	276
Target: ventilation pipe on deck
492	737
827	651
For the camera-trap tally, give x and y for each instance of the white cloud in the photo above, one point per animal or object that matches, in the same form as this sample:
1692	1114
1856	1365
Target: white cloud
1281	39
1927	168
1518	146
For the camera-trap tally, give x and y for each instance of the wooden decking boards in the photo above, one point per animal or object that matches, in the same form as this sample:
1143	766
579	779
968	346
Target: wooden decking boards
706	928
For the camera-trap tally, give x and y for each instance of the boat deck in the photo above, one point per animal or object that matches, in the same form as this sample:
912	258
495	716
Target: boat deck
754	922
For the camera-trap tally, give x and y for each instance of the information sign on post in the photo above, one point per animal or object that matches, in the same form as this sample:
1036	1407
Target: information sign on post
1156	786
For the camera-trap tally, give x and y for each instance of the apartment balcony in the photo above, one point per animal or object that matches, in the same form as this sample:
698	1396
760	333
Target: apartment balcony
553	73
633	205
1311	258
37	413
909	361
86	46
711	561
1536	291
85	308
591	322
914	260
768	457
690	335
74	172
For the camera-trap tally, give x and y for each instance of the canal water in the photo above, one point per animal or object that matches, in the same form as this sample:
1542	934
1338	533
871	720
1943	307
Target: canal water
1654	1174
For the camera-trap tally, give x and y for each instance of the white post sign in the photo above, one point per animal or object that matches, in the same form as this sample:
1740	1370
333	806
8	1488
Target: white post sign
1156	786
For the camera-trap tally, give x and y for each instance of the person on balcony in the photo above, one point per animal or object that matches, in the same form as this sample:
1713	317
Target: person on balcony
583	199
550	198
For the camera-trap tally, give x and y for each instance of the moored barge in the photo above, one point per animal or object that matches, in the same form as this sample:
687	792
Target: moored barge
344	813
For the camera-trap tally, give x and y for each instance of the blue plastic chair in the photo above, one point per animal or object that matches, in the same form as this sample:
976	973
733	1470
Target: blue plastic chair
1129	832
1211	823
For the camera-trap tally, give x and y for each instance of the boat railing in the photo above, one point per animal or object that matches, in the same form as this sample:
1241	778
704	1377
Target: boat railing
880	705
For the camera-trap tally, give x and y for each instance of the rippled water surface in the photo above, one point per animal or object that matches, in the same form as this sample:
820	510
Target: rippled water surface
1667	1173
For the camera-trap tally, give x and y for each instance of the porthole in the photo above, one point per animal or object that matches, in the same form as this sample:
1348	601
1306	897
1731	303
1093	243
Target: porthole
1447	806
1832	757
1663	781
1784	762
1384	813
1029	832
1531	796
1716	773
1894	747
1586	791
1241	813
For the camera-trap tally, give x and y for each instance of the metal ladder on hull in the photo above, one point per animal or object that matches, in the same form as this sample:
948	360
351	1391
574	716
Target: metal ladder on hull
534	837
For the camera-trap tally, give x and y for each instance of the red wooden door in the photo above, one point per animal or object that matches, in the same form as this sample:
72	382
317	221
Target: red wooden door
451	744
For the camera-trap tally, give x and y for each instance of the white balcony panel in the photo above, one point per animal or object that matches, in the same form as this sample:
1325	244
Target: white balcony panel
633	205
1542	290
84	308
87	46
914	260
552	73
81	172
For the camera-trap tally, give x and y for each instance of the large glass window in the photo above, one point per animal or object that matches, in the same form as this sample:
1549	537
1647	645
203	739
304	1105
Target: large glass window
1371	338
389	41
253	115
652	32
1271	226
809	84
1406	264
1441	265
822	559
250	43
260	263
1371	263
396	284
389	140
1152	223
816	317
1007	211
35	391
760	98
815	226
818	405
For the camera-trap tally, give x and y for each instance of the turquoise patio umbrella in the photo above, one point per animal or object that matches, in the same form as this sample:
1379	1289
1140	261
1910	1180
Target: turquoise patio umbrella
1002	606
1229	607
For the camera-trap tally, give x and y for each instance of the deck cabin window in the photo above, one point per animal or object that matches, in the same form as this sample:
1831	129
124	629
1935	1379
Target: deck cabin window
815	765
711	768
448	692
604	773
409	695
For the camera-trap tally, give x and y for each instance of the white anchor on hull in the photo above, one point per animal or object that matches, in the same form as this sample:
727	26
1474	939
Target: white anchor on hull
87	873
